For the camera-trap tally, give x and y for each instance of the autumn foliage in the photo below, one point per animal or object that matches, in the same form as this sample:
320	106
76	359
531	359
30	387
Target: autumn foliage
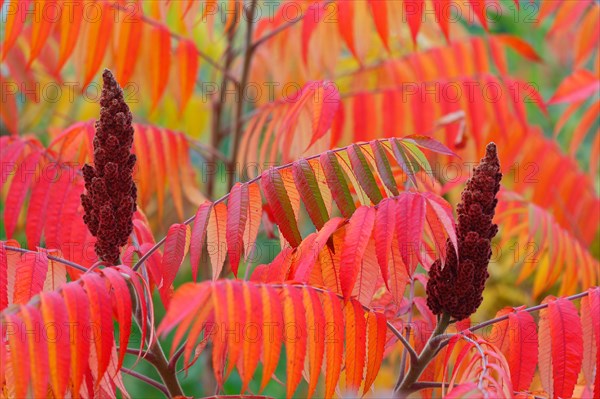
300	199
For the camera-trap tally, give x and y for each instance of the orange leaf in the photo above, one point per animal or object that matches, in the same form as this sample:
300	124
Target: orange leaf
160	61
356	339
580	85
216	238
380	17
199	236
273	337
293	316
253	220
16	12
69	25
376	338
277	197
122	303
251	333
414	12
385	227
176	246
315	323
187	57
334	341
31	272
19	354
40	29
100	316
38	349
54	313
237	214
97	39
519	45
77	309
128	45
358	232
566	346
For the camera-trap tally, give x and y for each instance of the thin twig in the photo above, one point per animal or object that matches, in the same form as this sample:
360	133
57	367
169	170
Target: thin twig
147	380
51	257
445	339
237	130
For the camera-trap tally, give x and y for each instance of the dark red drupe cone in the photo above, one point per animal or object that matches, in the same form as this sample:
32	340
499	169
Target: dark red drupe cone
457	287
110	198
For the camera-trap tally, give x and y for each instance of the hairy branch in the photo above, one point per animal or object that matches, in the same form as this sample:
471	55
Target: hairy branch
147	380
51	257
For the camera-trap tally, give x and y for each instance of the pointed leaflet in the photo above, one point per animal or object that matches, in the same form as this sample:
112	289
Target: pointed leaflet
122	303
252	333
19	187
272	316
519	45
70	24
199	236
54	313
128	45
314	14
187	57
590	318
383	166
410	221
308	257
346	24
100	316
441	221
326	100
237	213
97	38
235	316
19	355
315	323
39	350
517	339
368	275
403	160
40	30
14	19
160	61
77	309
38	205
295	347
334	341
442	16
376	338
308	187
281	206
580	85
3	276
31	272
565	345
356	339
337	182
385	227
380	17
414	11
362	170
177	244
253	220
358	232
216	238
430	144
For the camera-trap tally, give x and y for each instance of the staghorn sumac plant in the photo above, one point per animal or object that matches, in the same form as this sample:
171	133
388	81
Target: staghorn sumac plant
342	240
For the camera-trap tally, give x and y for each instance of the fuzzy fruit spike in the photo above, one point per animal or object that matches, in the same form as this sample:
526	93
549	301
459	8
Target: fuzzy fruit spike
457	287
110	198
